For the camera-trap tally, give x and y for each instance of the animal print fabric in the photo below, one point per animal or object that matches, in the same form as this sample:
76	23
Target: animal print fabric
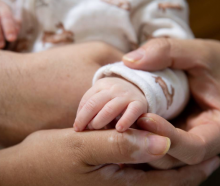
166	91
125	24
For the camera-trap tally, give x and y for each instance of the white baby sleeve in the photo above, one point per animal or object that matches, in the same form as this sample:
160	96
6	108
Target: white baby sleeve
166	91
162	18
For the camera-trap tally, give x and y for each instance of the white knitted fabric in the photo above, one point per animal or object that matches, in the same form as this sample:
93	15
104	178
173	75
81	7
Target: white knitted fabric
124	24
166	91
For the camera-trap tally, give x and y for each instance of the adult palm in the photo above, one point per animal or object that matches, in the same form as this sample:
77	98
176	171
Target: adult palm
199	136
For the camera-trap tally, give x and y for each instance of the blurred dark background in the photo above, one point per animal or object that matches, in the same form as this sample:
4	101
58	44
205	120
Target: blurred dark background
205	23
205	18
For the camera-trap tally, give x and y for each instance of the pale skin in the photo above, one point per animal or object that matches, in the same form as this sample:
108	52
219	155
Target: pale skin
107	99
43	86
9	25
200	125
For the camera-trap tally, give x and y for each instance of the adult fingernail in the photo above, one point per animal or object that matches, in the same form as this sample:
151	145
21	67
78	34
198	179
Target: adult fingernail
211	166
157	145
134	56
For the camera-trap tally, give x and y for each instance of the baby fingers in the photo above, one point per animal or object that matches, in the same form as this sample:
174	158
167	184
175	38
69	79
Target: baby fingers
134	110
109	112
90	109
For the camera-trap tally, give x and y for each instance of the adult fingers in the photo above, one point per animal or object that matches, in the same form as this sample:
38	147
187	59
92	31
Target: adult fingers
186	146
158	54
207	127
189	175
132	146
166	162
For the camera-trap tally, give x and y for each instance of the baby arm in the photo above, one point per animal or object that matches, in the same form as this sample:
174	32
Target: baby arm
9	26
136	92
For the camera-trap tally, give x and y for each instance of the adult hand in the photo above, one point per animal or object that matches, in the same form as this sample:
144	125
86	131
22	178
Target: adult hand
64	157
201	60
43	90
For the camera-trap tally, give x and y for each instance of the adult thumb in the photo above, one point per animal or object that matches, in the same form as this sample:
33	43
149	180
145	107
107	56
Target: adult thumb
132	146
158	54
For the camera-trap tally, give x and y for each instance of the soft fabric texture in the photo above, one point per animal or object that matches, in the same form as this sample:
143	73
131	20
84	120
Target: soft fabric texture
166	91
124	24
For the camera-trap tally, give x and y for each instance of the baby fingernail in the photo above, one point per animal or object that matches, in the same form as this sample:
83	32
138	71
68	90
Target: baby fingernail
134	56
119	128
76	128
157	145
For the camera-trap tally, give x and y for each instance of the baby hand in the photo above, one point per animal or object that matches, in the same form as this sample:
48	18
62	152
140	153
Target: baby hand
9	27
107	99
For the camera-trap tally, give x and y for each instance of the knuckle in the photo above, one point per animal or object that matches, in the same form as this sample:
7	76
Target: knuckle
82	103
101	46
160	44
193	160
71	142
107	111
90	105
135	109
122	145
115	88
198	158
102	83
99	82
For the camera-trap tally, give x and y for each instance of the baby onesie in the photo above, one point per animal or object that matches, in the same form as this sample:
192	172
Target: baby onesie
124	24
